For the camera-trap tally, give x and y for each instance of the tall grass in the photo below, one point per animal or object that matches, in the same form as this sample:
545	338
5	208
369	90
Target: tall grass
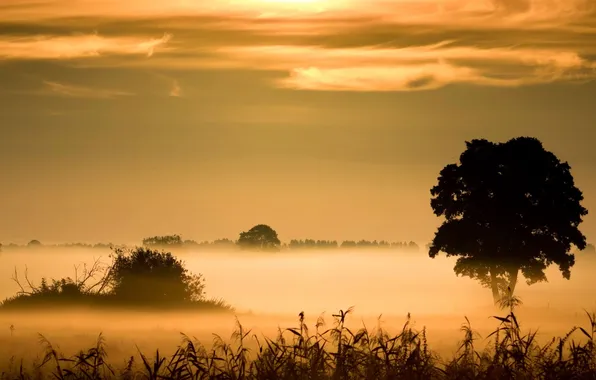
337	353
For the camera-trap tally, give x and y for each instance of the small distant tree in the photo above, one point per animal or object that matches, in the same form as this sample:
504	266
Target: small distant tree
508	207
34	243
148	276
167	241
260	237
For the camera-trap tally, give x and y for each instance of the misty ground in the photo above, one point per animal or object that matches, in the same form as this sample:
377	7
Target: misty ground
269	290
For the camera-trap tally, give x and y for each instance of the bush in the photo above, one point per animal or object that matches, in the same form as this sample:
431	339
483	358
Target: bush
140	277
146	275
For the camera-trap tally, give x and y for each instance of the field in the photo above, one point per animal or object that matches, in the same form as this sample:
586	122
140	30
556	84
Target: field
269	291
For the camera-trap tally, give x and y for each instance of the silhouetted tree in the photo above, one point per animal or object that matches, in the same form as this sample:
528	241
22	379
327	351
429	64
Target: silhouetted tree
168	241
260	237
34	243
149	276
508	207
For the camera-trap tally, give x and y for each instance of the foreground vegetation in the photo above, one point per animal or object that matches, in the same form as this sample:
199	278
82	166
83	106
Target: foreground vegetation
336	353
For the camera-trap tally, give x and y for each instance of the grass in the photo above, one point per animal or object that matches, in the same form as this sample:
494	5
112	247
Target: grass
335	353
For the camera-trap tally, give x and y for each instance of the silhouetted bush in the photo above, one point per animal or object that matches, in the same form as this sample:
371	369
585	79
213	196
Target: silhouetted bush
145	275
140	277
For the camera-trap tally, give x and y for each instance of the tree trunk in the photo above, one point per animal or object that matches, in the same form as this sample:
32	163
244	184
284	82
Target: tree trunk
494	287
513	279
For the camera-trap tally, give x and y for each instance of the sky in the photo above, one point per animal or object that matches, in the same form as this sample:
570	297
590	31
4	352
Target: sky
326	119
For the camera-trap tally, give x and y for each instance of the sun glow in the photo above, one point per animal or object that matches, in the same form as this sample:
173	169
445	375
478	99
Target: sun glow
273	7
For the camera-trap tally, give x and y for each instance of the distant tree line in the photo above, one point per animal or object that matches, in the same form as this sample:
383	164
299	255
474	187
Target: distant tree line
264	238
323	244
260	237
37	243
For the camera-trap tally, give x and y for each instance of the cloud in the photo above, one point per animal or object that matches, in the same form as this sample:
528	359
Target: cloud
411	68
73	91
77	46
404	78
175	90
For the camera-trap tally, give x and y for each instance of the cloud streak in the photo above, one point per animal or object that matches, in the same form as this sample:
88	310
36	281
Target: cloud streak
77	46
74	91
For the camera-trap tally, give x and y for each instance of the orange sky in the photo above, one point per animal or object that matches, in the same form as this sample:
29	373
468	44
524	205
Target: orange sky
325	119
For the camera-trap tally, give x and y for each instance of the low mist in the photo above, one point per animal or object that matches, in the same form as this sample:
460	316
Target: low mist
268	291
285	283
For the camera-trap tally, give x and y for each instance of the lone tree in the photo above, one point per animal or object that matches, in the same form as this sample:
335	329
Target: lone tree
509	207
34	243
260	237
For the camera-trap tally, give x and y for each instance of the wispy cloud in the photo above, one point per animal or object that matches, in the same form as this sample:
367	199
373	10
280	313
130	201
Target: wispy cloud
73	91
175	90
411	68
76	46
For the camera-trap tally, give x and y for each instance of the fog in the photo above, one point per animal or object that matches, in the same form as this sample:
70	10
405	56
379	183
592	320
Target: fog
269	290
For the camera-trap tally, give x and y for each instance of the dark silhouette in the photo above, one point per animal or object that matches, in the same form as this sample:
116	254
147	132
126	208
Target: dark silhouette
406	246
508	207
34	243
260	237
167	241
137	278
153	276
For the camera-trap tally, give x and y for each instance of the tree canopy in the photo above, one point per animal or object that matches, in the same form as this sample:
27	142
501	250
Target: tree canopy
34	243
508	207
260	237
149	276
